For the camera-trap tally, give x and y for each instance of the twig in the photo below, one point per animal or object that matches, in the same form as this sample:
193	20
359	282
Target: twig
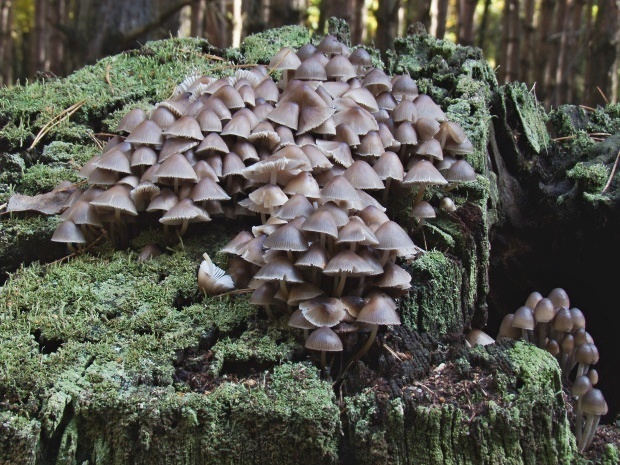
585	107
589	134
95	140
235	292
80	252
611	176
602	95
107	78
55	121
391	351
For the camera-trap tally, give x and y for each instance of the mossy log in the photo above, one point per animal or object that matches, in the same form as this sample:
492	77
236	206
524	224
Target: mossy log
107	360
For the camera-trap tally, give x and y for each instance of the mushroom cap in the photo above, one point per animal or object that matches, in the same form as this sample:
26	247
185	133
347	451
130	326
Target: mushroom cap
68	232
131	119
235	245
533	299
460	171
423	209
394	276
116	198
280	268
298	205
563	320
147	132
506	329
324	339
315	257
593	402
347	262
186	126
361	176
184	211
323	311
176	166
559	297
285	59
288	237
524	318
82	212
355	231
114	160
423	172
339	188
298	320
544	311
303	292
321	221
207	189
380	310
164	201
581	385
477	337
392	236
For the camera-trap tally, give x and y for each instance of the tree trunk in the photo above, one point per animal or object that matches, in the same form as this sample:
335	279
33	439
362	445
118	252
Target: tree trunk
542	60
6	42
387	22
439	17
467	9
198	18
525	69
603	56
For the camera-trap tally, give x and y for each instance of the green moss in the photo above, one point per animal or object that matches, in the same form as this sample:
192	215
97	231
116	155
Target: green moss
149	74
418	426
20	436
40	179
434	274
590	178
261	47
67	155
26	238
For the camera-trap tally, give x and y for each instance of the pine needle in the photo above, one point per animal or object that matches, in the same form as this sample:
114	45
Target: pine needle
55	121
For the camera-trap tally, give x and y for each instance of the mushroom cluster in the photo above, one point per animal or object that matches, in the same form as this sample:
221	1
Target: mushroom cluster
314	154
244	144
552	324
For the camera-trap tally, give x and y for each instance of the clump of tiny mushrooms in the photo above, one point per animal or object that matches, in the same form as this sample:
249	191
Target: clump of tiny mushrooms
315	155
552	324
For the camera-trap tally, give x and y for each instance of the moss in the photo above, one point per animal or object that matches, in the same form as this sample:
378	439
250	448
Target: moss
39	179
416	427
261	47
66	154
149	74
26	238
19	439
590	178
434	274
12	167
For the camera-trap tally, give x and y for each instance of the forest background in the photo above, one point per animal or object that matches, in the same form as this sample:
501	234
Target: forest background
566	51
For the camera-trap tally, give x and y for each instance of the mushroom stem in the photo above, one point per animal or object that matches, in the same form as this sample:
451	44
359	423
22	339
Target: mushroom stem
323	360
541	334
578	420
338	289
184	227
269	312
589	430
367	346
306	334
290	255
284	289
386	191
384	257
420	195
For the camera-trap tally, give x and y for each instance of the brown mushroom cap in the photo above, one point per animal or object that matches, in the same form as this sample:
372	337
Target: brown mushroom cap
324	339
380	310
524	318
323	311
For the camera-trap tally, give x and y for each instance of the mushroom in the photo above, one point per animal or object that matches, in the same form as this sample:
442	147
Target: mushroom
380	310
324	339
594	406
213	280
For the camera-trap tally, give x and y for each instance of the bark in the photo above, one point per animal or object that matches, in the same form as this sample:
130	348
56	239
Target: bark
525	69
544	50
603	56
467	9
387	22
439	15
199	8
6	42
